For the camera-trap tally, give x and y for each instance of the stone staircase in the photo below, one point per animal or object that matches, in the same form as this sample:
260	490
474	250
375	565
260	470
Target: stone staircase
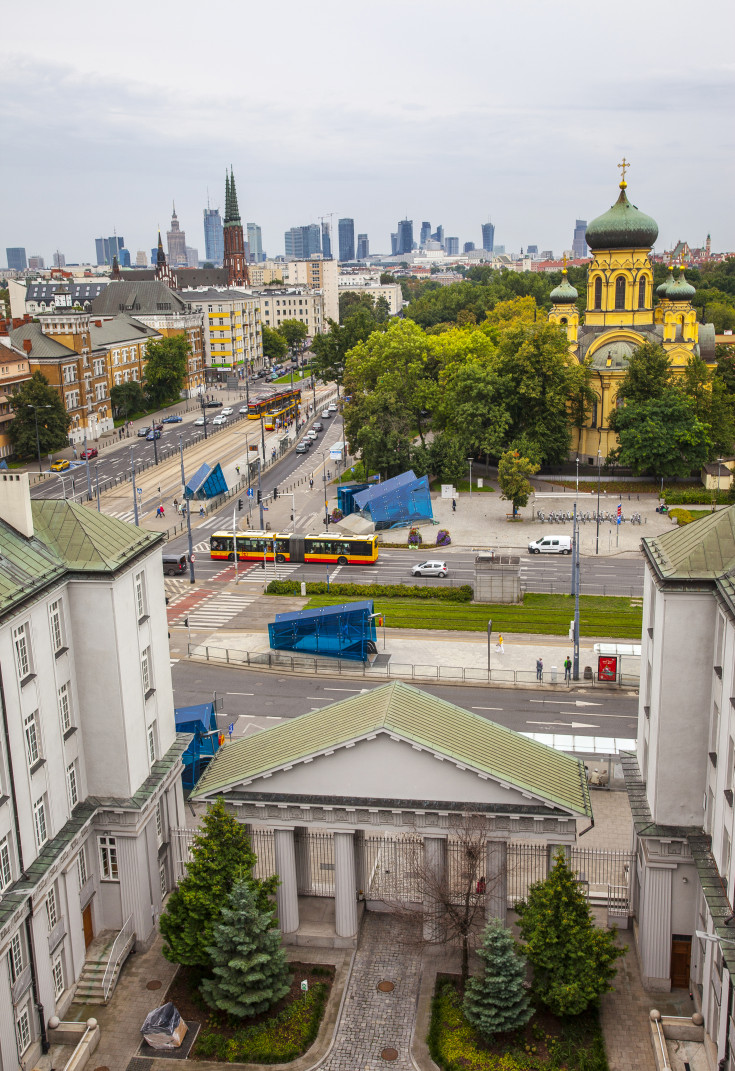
90	985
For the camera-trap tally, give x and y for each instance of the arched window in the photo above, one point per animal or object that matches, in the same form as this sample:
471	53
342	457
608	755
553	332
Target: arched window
620	292
598	292
563	320
642	294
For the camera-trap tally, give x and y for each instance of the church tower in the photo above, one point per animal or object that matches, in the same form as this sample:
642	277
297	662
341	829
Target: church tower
163	271
234	258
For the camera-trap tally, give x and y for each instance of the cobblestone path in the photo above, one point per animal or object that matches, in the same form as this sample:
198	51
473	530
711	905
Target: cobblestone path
372	1021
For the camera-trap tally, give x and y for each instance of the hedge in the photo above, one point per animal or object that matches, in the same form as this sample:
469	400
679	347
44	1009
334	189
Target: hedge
696	496
372	591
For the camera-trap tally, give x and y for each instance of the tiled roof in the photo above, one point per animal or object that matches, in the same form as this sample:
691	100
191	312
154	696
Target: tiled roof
138	298
42	345
120	328
419	718
26	565
702	550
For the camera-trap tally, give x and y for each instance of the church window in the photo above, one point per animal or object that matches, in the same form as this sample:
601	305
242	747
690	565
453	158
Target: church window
620	292
594	414
563	320
598	292
642	294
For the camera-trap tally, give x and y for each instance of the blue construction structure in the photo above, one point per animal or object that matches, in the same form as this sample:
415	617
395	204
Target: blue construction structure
395	503
346	494
206	482
345	631
201	721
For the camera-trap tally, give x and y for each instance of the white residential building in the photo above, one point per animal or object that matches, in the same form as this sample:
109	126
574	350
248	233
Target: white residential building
292	303
232	331
356	284
90	763
317	274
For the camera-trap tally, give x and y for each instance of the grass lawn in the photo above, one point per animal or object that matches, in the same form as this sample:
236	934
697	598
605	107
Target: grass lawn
296	376
546	615
463	486
277	1036
546	1042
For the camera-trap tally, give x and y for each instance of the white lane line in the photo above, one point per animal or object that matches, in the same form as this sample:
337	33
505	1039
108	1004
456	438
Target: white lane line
486	708
566	702
597	714
240	693
567	724
344	690
272	717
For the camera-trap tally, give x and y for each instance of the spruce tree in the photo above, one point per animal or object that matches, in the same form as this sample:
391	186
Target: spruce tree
249	967
496	1000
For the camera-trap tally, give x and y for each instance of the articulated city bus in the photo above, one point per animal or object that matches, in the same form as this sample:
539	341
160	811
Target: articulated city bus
272	401
279	417
287	547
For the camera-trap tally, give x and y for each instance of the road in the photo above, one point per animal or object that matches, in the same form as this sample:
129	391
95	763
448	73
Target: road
255	699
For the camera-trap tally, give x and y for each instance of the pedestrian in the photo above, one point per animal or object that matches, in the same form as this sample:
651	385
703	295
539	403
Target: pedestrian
74	452
481	885
237	469
176	504
201	511
499	644
454	505
567	669
539	669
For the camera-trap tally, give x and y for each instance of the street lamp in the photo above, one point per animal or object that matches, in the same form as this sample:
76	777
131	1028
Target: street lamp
597	540
204	414
577	477
470	461
35	409
326	501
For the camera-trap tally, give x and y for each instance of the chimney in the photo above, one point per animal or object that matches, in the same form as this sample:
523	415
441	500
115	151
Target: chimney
15	502
3	327
98	323
27	345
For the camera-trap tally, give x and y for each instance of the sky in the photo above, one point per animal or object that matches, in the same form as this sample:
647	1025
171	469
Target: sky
453	112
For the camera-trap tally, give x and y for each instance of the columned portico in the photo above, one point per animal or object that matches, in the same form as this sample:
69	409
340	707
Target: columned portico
287	897
304	880
345	896
435	869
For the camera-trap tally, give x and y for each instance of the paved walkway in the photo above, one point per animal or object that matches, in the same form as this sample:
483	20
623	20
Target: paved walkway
624	1015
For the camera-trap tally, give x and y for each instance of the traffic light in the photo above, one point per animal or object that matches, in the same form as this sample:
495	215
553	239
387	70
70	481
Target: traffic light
260	495
275	492
239	504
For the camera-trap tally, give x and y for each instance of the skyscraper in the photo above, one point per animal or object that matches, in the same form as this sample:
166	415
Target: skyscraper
346	239
393	243
234	254
451	247
107	248
303	242
59	260
124	258
405	236
326	240
425	234
176	243
488	237
468	247
16	256
438	235
363	247
192	257
36	263
214	241
140	261
255	243
579	242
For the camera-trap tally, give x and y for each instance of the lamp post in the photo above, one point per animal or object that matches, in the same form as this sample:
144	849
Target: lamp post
597	539
204	414
470	461
188	510
326	502
135	492
35	409
577	477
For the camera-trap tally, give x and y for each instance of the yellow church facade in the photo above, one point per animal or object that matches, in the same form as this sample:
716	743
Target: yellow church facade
621	316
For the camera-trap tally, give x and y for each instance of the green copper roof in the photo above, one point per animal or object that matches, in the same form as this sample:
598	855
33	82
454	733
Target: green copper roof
564	293
702	550
677	289
26	565
421	719
622	227
86	540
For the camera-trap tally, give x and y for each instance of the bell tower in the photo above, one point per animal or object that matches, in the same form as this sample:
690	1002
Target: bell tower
234	258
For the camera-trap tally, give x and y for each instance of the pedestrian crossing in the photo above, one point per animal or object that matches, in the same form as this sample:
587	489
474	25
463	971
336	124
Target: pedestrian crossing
175	588
215	611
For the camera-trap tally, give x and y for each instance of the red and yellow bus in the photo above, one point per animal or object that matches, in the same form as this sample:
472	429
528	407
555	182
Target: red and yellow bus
286	547
278	418
272	401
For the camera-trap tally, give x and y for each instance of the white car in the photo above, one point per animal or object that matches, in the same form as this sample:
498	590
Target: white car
199	422
227	412
326	413
219	419
243	409
430	569
551	545
311	434
332	407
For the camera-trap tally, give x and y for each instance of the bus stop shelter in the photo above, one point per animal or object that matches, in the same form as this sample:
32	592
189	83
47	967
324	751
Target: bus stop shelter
207	482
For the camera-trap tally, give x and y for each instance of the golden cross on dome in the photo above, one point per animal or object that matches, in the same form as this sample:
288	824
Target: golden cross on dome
564	258
624	167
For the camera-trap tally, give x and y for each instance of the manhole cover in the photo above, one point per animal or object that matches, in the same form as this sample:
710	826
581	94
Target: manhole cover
389	1054
385	987
155	984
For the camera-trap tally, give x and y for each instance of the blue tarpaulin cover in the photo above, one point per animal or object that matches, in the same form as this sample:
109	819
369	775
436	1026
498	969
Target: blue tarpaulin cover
344	631
397	501
206	482
199	720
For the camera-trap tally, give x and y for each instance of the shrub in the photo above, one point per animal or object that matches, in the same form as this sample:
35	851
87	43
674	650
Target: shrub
414	538
336	514
695	496
443	538
496	1001
682	516
464	593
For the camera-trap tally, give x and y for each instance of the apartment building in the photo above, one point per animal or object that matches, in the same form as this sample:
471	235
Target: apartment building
292	303
232	333
14	370
121	342
357	284
90	763
317	274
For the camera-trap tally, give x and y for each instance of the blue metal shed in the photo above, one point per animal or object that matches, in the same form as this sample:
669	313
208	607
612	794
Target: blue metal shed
397	501
344	631
201	721
206	482
345	496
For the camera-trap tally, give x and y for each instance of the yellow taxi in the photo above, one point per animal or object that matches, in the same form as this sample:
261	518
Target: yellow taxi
61	465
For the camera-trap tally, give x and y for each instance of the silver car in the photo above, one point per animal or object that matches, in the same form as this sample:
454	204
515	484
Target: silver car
432	568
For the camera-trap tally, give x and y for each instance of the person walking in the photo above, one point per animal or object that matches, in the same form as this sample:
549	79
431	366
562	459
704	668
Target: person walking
176	504
454	505
201	511
499	644
567	669
311	483
539	669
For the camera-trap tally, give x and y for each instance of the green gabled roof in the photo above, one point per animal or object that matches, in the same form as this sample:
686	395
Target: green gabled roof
26	565
702	550
415	716
85	540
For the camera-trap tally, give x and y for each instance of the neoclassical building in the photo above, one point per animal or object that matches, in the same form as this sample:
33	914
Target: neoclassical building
621	315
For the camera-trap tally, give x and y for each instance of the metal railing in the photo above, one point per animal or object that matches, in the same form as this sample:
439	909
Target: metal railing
117	952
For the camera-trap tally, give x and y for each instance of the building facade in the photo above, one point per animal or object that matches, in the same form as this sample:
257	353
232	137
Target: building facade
303	242
346	230
235	261
405	237
14	370
488	237
579	242
89	758
292	303
15	256
214	242
358	285
255	244
317	274
107	248
363	247
176	243
233	338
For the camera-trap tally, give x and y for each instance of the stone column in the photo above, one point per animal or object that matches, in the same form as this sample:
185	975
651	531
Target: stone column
496	880
361	870
304	879
345	899
287	898
435	870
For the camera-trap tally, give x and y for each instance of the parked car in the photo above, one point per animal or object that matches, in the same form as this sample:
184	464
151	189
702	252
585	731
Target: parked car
88	454
243	409
228	411
302	448
174	564
153	434
173	418
213	405
273	377
432	568
142	432
61	465
219	419
326	414
317	426
199	422
551	545
157	427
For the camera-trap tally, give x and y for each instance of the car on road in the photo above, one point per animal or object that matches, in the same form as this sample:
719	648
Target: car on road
199	422
302	448
61	465
142	432
311	434
551	545
88	454
219	419
332	407
213	405
228	411
306	442
432	568
326	414
158	427
274	376
317	426
243	409
173	418
154	433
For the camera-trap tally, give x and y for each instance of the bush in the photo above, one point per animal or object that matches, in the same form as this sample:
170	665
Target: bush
336	515
695	496
414	538
443	538
681	516
372	591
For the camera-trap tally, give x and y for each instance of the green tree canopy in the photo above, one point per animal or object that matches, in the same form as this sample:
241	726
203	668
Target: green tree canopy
496	1001
573	960
713	405
648	374
37	399
513	473
294	332
662	437
275	346
166	367
330	349
128	398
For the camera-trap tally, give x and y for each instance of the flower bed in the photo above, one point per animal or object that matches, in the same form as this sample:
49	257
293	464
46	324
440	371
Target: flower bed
546	1044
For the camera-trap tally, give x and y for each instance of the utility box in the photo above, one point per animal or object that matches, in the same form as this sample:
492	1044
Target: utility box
498	578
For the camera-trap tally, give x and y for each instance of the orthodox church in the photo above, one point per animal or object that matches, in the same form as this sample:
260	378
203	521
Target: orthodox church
621	315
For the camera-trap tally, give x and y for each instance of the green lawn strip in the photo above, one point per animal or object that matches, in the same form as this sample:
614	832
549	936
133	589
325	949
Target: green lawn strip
547	615
287	378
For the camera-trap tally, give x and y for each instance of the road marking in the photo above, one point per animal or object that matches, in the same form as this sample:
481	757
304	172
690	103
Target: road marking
566	702
568	725
598	714
358	690
240	693
486	708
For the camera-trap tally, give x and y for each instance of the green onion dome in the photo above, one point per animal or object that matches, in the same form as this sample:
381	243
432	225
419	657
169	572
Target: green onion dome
679	289
622	227
564	293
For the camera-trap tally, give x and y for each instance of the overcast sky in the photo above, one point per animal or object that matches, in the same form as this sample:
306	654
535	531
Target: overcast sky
454	112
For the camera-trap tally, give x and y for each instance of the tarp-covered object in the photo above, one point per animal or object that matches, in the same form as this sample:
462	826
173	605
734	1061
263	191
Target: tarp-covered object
199	720
164	1028
345	631
399	501
206	482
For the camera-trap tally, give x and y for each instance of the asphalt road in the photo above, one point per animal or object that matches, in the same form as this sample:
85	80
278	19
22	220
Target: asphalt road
254	699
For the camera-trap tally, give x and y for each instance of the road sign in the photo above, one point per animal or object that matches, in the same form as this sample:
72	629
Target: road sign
231	728
620	512
250	492
139	490
192	557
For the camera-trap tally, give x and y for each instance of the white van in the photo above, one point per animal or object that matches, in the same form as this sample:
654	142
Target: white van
551	545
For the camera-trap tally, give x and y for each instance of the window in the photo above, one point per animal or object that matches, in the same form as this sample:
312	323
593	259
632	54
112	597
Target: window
145	669
57	973
23	1030
64	698
140	600
159	822
22	647
82	867
642	294
162	879
39	822
620	292
72	785
56	622
598	292
6	870
52	910
108	859
15	957
33	738
152	743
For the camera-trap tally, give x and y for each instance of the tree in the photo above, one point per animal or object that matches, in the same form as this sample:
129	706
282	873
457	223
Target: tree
166	366
275	346
662	436
221	855
128	398
496	1001
294	332
712	405
53	419
573	960
513	473
249	966
648	374
329	350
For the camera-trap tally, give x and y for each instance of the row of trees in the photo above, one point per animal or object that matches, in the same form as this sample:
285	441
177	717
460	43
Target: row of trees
288	336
